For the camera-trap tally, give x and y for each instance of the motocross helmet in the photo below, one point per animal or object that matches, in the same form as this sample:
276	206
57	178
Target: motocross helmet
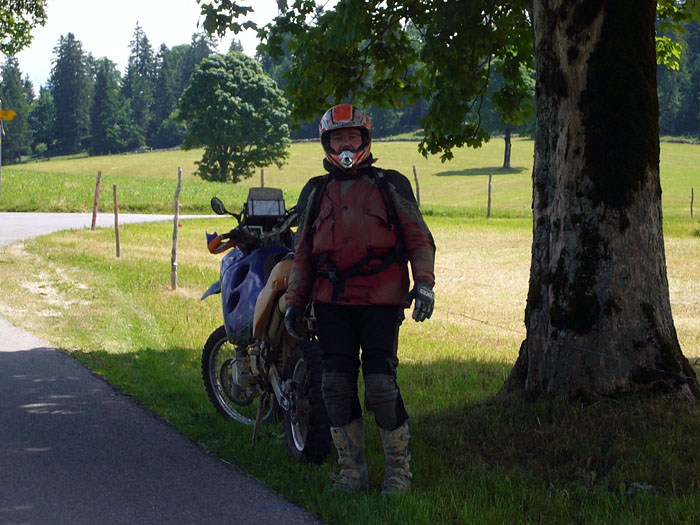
340	117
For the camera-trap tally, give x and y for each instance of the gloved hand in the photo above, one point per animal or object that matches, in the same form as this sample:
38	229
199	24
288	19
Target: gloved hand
292	317
425	301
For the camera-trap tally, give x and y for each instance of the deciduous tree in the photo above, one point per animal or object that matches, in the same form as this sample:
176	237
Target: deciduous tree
598	313
237	112
17	19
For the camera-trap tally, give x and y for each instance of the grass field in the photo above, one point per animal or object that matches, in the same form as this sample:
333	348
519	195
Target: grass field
475	459
146	182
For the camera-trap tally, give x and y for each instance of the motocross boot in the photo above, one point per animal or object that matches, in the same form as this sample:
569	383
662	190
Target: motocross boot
349	441
397	476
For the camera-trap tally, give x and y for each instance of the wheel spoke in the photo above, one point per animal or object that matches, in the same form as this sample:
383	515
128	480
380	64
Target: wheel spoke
233	401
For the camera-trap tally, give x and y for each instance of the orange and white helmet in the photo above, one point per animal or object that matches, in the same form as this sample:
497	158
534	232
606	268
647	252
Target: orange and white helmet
340	117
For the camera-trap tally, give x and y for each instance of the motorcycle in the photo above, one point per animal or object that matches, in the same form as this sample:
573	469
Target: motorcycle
253	369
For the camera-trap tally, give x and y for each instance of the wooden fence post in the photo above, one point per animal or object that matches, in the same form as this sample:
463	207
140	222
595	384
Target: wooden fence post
415	176
97	196
176	218
692	198
488	209
116	219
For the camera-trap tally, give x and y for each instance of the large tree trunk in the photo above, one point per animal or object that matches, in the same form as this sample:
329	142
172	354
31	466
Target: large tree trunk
598	313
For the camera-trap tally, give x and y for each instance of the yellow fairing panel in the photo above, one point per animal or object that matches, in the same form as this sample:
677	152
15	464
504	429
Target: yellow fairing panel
275	285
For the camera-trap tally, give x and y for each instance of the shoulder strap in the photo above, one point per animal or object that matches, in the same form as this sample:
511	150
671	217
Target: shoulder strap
326	268
321	185
383	186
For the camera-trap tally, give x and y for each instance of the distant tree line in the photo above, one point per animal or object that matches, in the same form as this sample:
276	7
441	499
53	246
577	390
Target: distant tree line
88	105
679	91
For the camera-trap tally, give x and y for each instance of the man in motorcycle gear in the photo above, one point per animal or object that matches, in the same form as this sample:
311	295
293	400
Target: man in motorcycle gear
360	226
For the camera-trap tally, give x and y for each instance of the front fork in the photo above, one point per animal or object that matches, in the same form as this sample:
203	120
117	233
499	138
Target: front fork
280	389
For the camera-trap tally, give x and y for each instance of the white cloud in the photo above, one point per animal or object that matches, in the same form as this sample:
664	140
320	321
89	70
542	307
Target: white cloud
105	28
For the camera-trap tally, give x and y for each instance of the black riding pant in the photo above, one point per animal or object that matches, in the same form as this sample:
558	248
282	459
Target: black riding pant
345	330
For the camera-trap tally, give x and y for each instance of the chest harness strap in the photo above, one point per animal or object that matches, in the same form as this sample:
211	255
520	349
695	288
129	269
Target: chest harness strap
326	268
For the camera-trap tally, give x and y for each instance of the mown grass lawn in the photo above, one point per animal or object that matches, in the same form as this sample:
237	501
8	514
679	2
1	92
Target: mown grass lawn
476	458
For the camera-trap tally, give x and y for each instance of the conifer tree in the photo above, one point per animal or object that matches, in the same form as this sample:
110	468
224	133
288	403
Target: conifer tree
167	132
13	93
201	46
70	88
138	82
42	121
111	129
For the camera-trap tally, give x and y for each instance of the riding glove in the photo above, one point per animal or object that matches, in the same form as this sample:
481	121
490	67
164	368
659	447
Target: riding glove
292	317
425	301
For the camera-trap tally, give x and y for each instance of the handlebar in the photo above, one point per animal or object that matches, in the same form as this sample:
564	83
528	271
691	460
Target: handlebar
242	234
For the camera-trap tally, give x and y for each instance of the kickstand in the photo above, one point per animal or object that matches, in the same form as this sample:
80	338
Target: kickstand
258	417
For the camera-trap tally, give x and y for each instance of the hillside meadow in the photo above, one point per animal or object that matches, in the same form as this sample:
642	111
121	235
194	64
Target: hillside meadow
476	459
146	181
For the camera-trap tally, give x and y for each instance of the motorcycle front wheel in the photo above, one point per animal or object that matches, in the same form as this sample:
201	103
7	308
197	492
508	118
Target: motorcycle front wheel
232	401
306	423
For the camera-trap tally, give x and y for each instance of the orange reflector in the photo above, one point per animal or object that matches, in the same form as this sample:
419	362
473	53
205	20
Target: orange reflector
214	244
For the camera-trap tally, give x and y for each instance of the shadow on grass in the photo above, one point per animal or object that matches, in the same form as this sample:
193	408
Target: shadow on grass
464	439
458	423
481	171
613	444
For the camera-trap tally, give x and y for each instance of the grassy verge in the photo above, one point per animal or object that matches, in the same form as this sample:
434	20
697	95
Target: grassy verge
476	458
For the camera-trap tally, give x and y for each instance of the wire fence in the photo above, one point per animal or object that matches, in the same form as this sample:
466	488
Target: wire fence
523	333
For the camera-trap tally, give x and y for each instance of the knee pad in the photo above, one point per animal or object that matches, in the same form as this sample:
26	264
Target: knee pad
384	399
340	396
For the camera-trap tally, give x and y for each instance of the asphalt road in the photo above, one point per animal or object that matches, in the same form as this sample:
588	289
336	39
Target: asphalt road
75	450
15	226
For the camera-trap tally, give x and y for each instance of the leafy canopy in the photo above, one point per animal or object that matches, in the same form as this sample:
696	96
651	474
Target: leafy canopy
673	16
17	19
238	113
385	53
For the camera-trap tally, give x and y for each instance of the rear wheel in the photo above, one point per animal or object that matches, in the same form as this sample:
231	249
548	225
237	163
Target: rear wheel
231	400
306	423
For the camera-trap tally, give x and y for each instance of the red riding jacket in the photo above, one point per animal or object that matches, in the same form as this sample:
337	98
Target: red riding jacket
352	225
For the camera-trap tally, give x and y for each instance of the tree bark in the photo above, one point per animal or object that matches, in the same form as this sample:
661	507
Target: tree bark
598	313
506	154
